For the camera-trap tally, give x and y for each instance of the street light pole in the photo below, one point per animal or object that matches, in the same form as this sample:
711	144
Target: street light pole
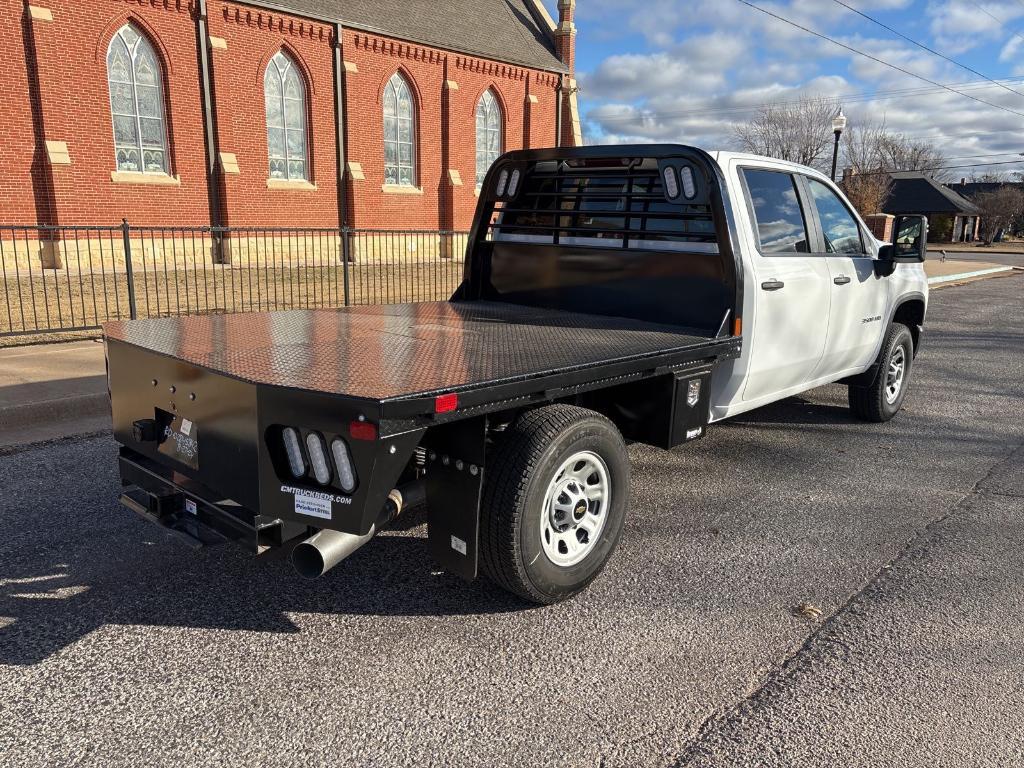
838	124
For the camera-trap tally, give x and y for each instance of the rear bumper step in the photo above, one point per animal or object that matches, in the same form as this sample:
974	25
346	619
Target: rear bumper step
193	513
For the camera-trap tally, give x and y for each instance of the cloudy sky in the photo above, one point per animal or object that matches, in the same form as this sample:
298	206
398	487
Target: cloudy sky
687	70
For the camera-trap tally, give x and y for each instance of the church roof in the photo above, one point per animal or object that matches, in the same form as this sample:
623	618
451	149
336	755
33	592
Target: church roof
509	31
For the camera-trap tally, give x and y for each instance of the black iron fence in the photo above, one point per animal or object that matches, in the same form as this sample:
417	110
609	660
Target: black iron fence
75	278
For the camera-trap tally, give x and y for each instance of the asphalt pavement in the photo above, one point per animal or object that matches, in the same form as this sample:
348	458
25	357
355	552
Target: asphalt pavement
120	647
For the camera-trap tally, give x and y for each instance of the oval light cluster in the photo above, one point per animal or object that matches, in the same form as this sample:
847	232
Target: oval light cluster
316	459
672	179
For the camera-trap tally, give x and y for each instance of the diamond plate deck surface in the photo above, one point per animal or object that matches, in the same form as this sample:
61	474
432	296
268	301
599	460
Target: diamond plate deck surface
384	352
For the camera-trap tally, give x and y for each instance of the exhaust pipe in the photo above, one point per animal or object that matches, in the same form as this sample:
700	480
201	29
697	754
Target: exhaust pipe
319	553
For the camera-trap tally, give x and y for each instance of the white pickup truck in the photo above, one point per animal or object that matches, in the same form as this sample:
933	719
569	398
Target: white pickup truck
610	294
824	301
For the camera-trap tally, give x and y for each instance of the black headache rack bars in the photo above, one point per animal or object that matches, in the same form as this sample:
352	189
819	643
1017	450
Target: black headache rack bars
641	216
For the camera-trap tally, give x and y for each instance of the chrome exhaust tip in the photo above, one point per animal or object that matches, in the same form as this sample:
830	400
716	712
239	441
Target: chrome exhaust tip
319	553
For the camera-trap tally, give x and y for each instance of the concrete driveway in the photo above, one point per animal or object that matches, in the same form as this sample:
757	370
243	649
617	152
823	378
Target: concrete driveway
118	647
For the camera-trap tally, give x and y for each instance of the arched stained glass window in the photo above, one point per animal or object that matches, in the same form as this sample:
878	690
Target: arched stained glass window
399	134
488	134
136	103
286	118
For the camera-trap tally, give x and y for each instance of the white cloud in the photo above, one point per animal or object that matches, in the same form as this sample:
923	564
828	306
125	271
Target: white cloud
710	63
960	25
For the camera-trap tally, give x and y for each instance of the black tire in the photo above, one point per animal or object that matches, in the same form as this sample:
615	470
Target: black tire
873	402
519	471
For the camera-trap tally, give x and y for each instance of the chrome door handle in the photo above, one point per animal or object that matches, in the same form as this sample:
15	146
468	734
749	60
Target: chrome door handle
772	285
841	280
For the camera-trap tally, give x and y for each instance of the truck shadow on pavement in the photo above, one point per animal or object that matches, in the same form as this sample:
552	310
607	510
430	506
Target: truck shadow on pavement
135	574
796	410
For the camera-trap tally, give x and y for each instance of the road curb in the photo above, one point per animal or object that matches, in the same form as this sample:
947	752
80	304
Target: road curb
940	279
51	411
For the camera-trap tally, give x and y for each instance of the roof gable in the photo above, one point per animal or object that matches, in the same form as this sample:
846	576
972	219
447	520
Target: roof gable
971	188
914	192
503	30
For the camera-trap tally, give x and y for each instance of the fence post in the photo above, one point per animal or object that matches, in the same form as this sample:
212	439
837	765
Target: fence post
345	256
129	272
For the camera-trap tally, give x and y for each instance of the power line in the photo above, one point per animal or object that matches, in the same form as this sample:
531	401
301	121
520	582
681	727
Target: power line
991	155
924	47
863	96
876	59
941	168
996	18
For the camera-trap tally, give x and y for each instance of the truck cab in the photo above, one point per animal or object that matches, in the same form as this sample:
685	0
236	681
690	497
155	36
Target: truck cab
817	303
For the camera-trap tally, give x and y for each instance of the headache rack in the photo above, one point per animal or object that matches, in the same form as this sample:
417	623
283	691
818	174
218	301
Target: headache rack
639	232
623	205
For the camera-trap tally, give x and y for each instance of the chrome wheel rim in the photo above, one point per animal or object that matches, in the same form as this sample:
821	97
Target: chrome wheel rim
575	508
894	376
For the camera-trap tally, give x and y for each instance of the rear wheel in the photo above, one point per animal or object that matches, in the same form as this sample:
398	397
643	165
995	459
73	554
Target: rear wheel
883	397
554	502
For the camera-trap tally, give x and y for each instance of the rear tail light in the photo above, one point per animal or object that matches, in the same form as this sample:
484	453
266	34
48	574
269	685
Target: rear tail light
343	463
502	181
446	403
362	430
318	458
291	445
513	184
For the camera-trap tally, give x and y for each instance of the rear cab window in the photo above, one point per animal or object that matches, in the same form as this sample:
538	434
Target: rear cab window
779	218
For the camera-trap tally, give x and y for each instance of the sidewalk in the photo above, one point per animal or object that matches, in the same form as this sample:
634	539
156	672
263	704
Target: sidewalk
52	390
944	273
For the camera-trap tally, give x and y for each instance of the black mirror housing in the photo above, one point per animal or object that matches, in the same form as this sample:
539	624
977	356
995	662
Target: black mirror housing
909	239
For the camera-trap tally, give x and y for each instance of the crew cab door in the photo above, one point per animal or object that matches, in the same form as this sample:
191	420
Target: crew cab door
859	297
790	287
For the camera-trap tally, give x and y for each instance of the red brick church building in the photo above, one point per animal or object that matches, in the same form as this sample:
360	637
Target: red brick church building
269	113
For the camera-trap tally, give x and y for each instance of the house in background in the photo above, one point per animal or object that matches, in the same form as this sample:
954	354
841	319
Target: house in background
951	217
274	113
973	189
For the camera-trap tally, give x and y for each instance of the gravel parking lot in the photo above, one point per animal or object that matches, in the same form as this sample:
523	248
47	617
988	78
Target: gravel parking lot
118	646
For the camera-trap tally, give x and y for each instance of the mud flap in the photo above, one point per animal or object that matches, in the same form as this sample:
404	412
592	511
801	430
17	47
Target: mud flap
455	477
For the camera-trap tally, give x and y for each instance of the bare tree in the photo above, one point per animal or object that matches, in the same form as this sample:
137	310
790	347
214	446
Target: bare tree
866	182
871	153
999	209
900	153
800	132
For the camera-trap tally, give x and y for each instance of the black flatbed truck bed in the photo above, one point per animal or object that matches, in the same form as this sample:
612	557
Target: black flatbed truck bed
398	358
588	286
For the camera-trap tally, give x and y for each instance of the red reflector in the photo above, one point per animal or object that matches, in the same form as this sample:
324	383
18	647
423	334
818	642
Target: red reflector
446	403
362	430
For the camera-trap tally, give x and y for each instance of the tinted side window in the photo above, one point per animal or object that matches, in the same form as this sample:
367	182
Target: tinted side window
780	221
842	235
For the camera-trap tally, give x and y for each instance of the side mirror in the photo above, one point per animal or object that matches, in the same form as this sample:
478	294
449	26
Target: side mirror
909	243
